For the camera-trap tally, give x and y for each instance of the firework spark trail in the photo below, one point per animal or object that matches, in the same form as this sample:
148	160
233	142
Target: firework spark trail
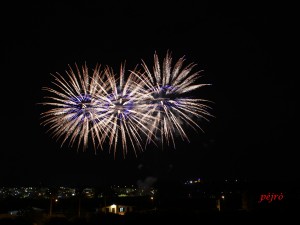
166	89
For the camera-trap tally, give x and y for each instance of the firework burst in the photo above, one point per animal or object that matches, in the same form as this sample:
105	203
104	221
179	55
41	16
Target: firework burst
133	109
167	94
121	114
74	106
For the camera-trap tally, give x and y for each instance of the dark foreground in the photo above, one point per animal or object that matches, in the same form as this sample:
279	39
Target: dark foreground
205	218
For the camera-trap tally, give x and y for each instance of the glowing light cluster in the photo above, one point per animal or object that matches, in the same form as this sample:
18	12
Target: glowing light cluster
142	107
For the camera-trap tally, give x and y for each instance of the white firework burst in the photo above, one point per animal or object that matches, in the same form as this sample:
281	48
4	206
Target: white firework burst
168	100
74	106
121	112
131	109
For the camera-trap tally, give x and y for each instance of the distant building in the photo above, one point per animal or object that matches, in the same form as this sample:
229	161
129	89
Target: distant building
117	209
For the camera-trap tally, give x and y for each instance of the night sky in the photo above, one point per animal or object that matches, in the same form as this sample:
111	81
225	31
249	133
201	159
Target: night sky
242	50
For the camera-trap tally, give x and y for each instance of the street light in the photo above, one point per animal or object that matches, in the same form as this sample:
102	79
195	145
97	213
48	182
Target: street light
51	205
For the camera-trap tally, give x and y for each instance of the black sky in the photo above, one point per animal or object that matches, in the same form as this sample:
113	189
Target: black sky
241	48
